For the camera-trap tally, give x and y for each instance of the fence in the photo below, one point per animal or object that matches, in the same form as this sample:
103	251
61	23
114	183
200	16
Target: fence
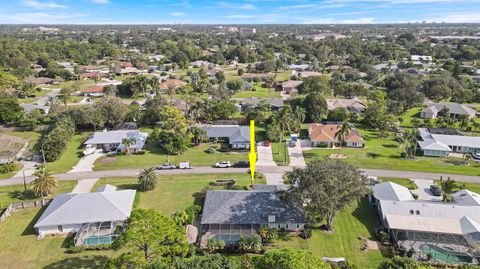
21	205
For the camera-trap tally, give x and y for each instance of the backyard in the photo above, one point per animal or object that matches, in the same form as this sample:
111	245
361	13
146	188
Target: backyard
384	153
357	221
258	91
195	155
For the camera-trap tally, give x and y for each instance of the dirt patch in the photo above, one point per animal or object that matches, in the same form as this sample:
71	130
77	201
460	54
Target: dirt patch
337	156
373	245
107	160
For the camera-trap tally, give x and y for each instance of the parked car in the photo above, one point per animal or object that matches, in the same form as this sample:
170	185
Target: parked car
436	191
242	164
164	166
224	164
476	155
184	165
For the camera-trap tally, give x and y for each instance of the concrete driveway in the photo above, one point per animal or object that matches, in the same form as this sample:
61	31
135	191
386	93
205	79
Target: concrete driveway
296	155
84	185
423	190
85	164
265	156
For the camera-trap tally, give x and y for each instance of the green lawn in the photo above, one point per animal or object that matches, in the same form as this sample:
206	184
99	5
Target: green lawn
175	192
21	249
280	153
258	91
70	157
83	84
196	155
409	115
11	194
406	182
349	225
385	154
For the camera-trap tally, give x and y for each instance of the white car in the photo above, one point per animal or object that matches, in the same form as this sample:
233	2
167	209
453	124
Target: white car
224	164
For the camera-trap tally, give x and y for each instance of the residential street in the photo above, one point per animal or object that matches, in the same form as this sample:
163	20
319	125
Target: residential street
211	170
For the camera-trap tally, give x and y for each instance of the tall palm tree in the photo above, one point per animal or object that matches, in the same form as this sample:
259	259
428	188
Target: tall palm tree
155	84
44	183
148	179
343	132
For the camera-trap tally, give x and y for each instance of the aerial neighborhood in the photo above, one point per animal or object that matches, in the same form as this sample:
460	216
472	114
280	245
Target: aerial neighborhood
239	146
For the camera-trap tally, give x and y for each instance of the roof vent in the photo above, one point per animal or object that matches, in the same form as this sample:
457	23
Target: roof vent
271	218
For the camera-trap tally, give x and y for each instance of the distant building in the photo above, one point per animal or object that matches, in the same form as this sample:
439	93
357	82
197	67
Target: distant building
290	86
172	83
352	105
263	76
114	140
238	137
248	31
437	143
455	111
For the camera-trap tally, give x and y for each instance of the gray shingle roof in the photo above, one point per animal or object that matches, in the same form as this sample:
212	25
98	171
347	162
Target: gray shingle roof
79	208
247	207
453	108
235	133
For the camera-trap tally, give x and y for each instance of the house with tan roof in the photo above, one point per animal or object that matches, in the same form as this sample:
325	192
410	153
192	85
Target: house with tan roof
290	86
169	83
324	135
352	105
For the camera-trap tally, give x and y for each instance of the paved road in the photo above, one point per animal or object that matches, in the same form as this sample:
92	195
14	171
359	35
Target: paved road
211	170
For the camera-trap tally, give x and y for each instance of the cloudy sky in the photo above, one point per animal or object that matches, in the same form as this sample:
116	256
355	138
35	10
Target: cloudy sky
236	12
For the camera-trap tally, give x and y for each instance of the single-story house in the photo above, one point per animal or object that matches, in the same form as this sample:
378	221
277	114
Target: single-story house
455	111
93	216
430	227
200	64
324	135
437	144
31	107
353	105
238	137
421	58
94	75
39	80
228	214
297	66
124	65
290	86
174	83
275	103
94	91
261	76
306	74
113	140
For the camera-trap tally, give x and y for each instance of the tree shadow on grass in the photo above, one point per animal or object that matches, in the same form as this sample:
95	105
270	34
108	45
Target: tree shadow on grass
390	146
365	213
22	195
373	155
30	230
96	261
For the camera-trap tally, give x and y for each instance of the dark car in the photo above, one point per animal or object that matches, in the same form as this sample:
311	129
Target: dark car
436	191
242	164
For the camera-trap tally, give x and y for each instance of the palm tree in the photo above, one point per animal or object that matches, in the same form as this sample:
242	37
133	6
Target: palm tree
263	232
154	83
243	243
343	132
44	183
448	186
128	142
148	179
256	243
272	235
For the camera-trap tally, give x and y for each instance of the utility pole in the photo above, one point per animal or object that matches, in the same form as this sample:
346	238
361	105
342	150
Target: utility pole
24	181
43	155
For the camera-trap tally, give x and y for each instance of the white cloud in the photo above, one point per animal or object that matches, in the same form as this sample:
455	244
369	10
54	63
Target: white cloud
40	18
100	1
237	6
41	5
335	21
177	14
241	16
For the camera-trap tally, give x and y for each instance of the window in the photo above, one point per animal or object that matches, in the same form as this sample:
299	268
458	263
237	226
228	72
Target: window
60	228
298	226
417	212
411	212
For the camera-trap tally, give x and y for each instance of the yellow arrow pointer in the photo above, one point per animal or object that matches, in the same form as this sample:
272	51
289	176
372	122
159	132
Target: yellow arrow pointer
252	156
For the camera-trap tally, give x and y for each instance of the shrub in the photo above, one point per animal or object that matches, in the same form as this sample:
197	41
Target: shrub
211	150
383	237
56	141
305	233
7	168
75	249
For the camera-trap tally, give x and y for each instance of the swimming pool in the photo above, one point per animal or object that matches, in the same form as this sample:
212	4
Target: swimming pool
443	255
108	239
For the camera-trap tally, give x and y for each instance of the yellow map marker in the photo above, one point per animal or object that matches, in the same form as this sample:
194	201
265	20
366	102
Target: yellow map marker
252	156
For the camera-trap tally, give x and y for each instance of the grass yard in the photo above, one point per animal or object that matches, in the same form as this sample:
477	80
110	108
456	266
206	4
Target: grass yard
258	92
385	154
406	182
196	155
21	249
70	157
82	84
280	153
12	194
359	220
174	192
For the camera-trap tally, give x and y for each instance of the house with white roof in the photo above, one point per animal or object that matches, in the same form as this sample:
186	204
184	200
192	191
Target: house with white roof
238	137
114	140
93	216
439	144
455	111
449	231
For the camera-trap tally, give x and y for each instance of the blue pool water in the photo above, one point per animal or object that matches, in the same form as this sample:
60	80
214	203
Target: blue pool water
99	240
442	255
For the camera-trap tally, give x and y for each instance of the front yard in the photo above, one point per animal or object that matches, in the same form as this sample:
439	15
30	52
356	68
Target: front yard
71	156
195	155
385	154
258	91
